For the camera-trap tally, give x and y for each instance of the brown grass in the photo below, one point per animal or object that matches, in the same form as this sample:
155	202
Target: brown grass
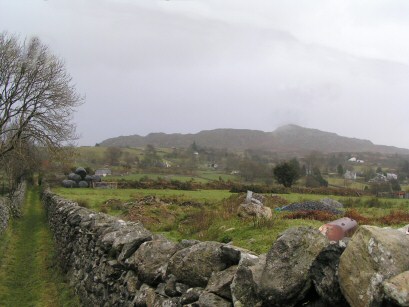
311	215
355	215
395	217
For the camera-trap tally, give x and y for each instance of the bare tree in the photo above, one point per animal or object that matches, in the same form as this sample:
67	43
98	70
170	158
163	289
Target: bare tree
37	97
21	162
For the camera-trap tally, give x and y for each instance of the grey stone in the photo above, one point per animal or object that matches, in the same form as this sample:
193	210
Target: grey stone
219	283
160	289
194	265
187	243
286	279
143	296
372	256
191	295
211	300
252	210
132	282
404	229
396	289
324	274
174	288
245	284
126	240
231	255
151	260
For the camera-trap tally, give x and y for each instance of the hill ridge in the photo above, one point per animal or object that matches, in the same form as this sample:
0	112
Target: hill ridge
287	138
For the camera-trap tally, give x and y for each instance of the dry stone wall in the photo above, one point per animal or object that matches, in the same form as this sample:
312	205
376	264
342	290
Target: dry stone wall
116	263
10	206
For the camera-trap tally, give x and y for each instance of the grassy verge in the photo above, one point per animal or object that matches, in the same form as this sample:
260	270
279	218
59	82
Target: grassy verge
29	275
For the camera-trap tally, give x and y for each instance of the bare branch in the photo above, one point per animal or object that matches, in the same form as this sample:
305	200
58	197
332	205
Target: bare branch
37	98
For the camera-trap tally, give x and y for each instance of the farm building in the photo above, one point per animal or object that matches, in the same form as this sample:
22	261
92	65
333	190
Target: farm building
103	172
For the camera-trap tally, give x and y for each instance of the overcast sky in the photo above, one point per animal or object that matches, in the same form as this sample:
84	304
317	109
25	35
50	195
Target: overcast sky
189	65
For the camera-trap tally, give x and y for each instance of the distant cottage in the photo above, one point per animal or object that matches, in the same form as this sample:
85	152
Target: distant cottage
103	172
391	176
350	175
379	178
353	159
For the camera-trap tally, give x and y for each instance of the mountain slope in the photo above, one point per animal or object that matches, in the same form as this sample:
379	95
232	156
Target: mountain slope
289	138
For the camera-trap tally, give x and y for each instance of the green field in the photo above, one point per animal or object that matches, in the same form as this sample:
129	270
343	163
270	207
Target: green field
215	218
340	182
200	177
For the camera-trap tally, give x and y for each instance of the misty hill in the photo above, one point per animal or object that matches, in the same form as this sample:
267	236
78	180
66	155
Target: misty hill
289	138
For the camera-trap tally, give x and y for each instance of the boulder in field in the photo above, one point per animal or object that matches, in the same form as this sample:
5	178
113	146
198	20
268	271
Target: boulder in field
252	210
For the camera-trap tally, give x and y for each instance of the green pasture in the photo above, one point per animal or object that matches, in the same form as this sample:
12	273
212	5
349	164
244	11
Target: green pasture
200	177
215	176
216	218
155	176
341	182
95	197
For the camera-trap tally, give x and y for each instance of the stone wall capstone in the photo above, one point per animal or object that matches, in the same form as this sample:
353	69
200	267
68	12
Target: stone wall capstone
111	262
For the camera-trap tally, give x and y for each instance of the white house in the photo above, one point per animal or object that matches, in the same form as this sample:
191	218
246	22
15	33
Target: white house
103	172
350	175
391	176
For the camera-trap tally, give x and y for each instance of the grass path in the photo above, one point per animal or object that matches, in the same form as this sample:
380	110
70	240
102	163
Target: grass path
29	275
